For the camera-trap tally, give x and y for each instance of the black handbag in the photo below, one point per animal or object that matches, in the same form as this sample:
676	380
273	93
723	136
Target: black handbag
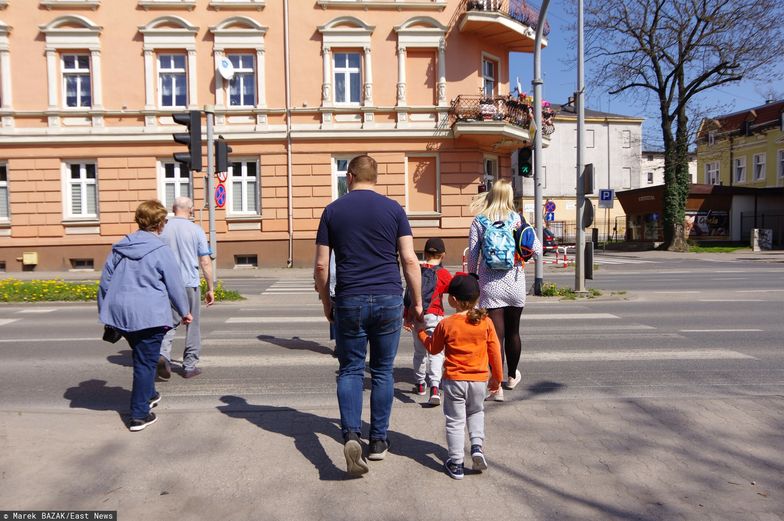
111	334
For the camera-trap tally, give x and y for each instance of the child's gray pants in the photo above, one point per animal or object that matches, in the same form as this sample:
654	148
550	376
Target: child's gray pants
464	402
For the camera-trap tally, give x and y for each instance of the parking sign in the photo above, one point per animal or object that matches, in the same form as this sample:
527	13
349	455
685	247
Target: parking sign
606	197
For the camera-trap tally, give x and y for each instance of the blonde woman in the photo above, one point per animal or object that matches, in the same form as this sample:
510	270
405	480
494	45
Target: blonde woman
502	291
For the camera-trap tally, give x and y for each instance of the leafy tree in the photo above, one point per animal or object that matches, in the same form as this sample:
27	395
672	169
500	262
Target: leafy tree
674	50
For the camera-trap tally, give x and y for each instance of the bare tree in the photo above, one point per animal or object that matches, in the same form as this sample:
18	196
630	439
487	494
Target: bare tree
673	50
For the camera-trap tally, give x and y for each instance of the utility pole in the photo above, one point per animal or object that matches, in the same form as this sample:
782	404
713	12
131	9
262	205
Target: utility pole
579	99
537	83
210	189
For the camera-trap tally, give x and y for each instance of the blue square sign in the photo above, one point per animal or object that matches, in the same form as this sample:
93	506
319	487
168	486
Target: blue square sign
606	197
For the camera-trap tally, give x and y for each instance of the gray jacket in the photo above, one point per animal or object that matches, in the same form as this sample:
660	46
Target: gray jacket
140	284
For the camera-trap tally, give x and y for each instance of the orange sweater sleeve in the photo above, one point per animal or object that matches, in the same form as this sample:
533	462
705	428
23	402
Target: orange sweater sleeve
494	352
434	344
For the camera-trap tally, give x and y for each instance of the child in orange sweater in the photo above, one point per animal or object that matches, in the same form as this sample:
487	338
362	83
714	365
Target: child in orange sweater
470	343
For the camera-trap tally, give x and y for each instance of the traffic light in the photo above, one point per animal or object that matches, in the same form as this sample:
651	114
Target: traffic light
525	162
222	150
192	120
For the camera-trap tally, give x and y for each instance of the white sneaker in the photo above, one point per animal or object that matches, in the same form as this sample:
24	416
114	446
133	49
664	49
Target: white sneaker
512	382
497	396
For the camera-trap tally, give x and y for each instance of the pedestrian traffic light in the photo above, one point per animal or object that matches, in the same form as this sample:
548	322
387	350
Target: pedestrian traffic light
525	162
222	150
192	120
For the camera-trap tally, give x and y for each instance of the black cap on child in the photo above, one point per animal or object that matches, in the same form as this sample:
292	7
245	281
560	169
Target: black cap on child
464	288
435	245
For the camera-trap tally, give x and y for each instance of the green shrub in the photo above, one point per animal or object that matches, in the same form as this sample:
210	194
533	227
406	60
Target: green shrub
221	293
550	289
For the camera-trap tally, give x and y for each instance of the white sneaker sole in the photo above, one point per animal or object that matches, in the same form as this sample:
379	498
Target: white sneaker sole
480	463
512	382
434	400
137	428
355	465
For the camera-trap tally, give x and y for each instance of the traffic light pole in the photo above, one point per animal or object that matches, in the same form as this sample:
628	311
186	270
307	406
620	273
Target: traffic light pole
579	98
210	189
537	82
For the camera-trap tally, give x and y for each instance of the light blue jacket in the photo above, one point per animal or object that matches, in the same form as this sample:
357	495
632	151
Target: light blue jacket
140	284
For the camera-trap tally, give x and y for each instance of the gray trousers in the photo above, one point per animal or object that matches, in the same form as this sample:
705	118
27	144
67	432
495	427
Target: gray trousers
192	334
464	403
427	365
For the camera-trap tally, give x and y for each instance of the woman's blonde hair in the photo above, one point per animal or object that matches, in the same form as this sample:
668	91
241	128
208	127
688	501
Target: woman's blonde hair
496	204
150	216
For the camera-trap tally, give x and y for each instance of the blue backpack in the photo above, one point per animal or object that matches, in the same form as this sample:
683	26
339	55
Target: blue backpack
524	241
498	244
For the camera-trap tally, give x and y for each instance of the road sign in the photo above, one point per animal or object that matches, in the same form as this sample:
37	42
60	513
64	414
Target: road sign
549	216
606	198
222	176
549	207
220	196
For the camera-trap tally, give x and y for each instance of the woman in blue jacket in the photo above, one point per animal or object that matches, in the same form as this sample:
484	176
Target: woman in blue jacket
140	285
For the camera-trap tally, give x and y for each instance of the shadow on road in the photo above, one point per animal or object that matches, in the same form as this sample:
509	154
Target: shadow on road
297	343
304	429
96	396
123	358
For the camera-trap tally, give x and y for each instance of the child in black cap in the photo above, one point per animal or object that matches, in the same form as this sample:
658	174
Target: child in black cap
470	344
435	280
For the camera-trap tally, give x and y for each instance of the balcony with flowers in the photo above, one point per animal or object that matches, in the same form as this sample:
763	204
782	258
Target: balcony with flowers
510	24
504	123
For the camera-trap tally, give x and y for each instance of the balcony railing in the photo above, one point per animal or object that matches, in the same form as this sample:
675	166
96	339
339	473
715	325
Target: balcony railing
500	108
517	10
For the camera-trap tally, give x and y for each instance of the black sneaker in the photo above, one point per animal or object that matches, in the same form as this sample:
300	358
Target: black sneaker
378	449
137	425
478	457
435	397
455	470
352	450
155	399
164	368
420	388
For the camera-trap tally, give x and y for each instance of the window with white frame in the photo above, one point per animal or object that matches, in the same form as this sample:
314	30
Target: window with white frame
347	70
759	167
739	168
781	164
172	80
712	173
711	137
81	191
244	188
173	181
491	171
650	178
242	87
4	210
340	184
626	138
77	92
489	79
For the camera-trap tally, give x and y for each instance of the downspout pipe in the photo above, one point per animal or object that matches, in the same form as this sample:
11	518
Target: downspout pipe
289	167
537	83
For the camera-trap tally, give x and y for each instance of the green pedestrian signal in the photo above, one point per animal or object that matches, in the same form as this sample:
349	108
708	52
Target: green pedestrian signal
525	162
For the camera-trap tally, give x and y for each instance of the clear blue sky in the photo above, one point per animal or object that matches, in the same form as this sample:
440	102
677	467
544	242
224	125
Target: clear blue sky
559	72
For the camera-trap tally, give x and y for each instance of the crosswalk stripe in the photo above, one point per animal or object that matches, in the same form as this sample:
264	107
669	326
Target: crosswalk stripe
569	316
37	310
274	320
320	319
6	321
720	330
309	358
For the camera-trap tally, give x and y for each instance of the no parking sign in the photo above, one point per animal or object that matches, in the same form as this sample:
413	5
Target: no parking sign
220	196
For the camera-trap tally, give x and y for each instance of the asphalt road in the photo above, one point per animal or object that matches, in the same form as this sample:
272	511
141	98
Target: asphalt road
694	343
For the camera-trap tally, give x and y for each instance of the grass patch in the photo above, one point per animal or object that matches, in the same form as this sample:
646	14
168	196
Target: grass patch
716	249
550	289
13	290
221	293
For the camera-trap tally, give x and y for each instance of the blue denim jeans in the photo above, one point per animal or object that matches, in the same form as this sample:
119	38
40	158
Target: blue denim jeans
146	348
360	319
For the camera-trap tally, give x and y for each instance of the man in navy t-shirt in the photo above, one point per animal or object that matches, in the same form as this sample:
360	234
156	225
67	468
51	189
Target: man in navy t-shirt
367	232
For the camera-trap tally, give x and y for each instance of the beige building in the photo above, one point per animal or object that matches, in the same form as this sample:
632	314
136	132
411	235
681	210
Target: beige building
88	89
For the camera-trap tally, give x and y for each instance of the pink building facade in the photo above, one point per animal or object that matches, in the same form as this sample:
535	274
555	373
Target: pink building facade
88	89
